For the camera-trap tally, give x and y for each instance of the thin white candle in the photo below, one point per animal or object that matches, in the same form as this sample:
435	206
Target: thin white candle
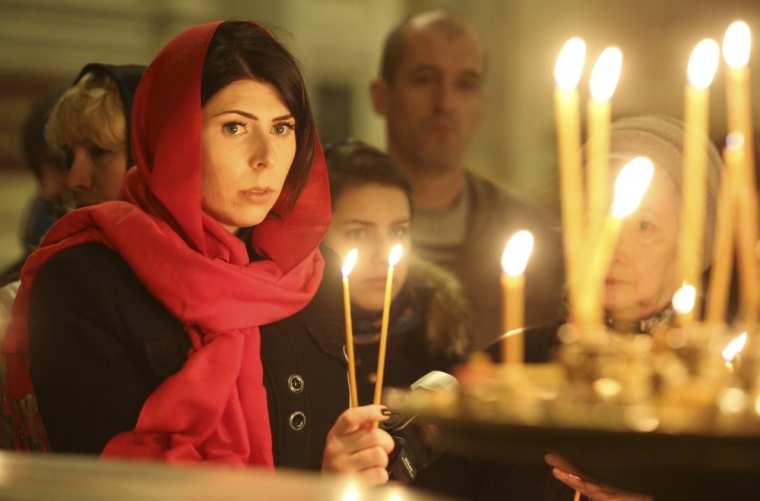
348	266
567	73
604	80
513	263
393	259
701	71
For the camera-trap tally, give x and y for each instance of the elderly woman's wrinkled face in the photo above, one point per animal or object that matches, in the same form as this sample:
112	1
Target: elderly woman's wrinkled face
644	273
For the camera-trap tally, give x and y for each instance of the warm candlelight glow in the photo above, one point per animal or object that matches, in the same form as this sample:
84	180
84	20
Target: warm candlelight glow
513	263
737	44
567	71
516	253
395	255
734	347
348	266
349	262
606	73
735	141
630	186
704	63
604	78
723	254
393	259
684	298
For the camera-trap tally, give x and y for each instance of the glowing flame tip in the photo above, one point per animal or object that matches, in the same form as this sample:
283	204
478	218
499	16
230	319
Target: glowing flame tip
704	63
737	44
734	347
606	73
349	262
735	141
630	186
395	254
516	254
567	71
684	298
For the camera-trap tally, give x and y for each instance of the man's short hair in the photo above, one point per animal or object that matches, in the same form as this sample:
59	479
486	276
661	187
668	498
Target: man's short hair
90	111
393	48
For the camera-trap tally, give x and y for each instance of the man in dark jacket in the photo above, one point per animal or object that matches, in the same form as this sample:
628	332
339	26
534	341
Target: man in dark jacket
430	93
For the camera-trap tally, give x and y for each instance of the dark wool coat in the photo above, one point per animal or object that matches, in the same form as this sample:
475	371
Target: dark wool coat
101	344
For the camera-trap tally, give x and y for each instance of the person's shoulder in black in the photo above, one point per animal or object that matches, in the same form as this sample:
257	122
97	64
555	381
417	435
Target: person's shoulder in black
85	305
94	328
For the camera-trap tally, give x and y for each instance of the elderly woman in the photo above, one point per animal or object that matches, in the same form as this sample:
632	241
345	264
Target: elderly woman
644	273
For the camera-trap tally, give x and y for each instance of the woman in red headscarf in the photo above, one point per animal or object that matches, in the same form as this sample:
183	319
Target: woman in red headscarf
196	319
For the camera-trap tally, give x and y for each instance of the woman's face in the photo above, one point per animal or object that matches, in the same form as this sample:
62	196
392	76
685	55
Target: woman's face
248	142
95	174
371	218
644	273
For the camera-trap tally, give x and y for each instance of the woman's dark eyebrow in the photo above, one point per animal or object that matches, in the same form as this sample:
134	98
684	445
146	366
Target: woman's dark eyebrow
252	116
358	221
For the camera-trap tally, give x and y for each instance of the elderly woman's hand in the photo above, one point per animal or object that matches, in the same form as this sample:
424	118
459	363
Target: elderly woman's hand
354	447
568	475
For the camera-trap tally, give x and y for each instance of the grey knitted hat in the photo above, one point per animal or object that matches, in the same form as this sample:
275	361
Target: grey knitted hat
661	138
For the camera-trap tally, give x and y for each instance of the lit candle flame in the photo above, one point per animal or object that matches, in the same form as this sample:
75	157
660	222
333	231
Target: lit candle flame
395	255
349	262
737	44
735	141
351	493
516	253
734	347
606	73
704	63
567	71
684	299
630	186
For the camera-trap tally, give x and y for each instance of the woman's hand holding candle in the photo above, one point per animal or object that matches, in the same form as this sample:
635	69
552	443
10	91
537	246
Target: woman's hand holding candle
355	445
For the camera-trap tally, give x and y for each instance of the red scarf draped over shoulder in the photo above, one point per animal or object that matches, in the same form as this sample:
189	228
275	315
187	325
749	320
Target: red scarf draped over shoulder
215	408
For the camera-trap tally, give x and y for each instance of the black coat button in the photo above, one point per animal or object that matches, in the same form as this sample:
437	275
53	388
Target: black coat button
295	383
297	420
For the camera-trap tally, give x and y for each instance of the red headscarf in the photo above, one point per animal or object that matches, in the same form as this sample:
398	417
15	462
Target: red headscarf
215	408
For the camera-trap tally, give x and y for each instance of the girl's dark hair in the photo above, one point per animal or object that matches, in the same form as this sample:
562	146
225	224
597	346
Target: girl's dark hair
352	163
240	50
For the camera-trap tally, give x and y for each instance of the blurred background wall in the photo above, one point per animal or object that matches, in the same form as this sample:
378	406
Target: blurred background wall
43	44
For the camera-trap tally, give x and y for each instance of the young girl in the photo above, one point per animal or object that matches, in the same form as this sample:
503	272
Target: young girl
190	320
429	314
428	319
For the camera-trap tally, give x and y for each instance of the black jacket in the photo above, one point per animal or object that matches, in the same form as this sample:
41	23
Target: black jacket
101	344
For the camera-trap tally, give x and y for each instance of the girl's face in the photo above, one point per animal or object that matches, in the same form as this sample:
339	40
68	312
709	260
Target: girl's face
248	142
372	218
644	273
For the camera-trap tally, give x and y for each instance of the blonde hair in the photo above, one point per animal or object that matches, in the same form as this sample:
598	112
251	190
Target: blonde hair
90	112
